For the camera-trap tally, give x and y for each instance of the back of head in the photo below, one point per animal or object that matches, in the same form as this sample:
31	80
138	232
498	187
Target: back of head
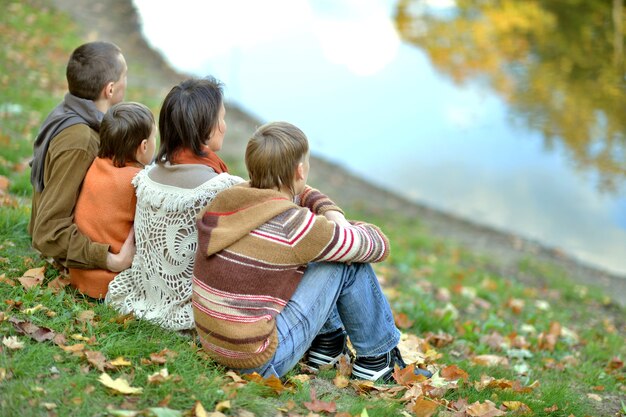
123	128
91	67
188	115
273	153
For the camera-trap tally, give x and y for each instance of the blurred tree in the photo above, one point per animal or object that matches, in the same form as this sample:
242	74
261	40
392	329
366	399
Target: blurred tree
558	64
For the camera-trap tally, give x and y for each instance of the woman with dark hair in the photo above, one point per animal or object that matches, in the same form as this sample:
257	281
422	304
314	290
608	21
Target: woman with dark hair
185	178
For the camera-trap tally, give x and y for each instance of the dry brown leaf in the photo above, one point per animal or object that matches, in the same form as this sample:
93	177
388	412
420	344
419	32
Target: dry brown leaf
453	372
317	406
490	360
96	358
425	408
551	409
4	184
341	381
486	409
406	376
118	385
33	277
159	377
37	333
58	284
402	320
517	406
615	363
12	342
439	340
594	397
8	281
272	382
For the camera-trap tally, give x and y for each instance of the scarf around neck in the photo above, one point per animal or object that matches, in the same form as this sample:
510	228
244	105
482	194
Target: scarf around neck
187	156
71	111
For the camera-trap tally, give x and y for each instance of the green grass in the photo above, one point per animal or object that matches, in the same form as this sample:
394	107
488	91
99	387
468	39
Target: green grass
443	290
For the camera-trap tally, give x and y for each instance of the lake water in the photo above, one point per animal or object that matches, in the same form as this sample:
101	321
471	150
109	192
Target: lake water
398	112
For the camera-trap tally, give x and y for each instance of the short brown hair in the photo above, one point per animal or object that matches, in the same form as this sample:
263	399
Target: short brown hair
273	153
123	128
91	67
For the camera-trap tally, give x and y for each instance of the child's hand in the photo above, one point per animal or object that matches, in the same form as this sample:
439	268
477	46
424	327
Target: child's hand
337	217
117	262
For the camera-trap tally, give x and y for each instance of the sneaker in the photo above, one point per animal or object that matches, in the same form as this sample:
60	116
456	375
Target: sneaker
381	367
327	349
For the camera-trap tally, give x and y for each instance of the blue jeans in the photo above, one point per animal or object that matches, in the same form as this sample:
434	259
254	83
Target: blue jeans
331	296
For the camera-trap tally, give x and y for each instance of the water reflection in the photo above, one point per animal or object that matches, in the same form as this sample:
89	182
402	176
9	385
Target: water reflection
558	65
380	108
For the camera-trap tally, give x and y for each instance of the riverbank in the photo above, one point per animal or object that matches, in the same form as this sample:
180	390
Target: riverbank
117	21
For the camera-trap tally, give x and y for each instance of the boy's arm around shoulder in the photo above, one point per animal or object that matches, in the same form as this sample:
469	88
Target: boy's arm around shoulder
325	240
317	202
54	232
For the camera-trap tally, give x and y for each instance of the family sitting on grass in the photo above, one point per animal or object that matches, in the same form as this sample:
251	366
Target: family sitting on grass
267	271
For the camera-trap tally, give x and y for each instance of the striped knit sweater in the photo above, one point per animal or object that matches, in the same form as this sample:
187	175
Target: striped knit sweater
253	248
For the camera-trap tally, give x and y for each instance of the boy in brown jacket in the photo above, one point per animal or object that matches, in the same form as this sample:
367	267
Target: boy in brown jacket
65	147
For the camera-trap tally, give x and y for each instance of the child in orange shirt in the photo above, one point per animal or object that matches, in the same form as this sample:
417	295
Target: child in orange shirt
105	209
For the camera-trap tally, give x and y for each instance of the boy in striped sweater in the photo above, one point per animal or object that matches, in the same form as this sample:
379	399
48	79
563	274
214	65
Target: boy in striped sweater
280	270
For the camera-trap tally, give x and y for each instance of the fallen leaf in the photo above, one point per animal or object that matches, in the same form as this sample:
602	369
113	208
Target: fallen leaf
594	397
272	382
317	406
85	316
8	281
58	284
12	342
490	360
425	408
96	358
517	406
199	410
341	381
453	372
486	409
33	277
159	377
119	385
406	376
402	320
222	405
27	328
615	363
49	406
78	348
551	409
120	361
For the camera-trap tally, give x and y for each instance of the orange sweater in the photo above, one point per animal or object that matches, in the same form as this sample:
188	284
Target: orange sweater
105	211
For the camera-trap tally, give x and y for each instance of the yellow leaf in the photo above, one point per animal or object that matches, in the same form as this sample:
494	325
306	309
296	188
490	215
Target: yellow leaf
120	361
222	405
119	385
199	410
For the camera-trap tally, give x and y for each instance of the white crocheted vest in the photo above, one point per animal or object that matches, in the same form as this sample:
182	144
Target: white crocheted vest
157	287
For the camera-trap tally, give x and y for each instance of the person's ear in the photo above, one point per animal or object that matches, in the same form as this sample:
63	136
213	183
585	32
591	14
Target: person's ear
300	171
141	149
107	91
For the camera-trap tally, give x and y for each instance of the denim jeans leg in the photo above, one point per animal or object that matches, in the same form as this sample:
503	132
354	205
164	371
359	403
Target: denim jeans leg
327	288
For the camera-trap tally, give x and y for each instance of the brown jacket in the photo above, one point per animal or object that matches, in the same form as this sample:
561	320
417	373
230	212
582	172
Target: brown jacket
52	226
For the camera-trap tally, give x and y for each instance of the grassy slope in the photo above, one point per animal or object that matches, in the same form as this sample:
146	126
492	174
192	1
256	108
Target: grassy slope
433	287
